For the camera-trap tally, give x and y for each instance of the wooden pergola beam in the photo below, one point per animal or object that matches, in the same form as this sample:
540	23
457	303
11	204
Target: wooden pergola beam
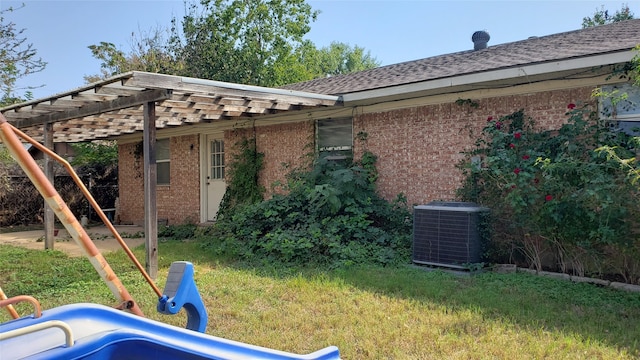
95	108
218	88
49	215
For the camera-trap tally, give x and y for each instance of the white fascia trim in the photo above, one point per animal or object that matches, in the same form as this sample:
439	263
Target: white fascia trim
496	75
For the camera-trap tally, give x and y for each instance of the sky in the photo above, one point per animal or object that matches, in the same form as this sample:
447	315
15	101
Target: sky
393	31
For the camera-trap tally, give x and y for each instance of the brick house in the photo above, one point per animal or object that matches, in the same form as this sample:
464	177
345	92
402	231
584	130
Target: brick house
413	113
417	115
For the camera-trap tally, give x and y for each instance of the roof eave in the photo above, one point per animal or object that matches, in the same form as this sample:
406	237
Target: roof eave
508	76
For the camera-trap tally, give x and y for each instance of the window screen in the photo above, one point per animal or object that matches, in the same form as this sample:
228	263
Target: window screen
335	135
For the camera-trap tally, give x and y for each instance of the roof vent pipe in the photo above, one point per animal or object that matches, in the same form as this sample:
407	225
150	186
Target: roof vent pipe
480	40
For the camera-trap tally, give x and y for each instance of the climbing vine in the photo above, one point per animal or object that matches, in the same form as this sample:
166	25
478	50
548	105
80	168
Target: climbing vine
243	187
468	102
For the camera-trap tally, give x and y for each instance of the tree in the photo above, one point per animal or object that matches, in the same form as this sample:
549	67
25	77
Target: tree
243	41
336	59
149	52
602	17
258	42
95	153
17	60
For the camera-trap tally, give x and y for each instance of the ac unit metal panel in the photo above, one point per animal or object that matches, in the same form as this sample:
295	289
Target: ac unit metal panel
447	234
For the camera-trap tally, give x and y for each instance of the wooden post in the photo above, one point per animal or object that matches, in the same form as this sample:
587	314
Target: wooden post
49	215
150	182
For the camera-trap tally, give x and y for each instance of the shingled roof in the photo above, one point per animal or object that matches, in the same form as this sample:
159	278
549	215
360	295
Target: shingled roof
604	39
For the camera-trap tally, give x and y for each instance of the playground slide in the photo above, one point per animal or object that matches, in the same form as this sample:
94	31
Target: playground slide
91	331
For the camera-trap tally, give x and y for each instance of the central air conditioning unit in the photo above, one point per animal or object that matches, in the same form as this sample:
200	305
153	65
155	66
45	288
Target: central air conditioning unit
448	234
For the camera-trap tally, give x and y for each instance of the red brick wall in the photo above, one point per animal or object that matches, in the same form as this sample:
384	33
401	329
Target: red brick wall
285	147
178	202
418	148
130	183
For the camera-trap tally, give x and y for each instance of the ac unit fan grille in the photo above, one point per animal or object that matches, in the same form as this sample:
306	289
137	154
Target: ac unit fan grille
446	236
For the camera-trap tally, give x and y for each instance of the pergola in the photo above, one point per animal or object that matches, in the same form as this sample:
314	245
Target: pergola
144	102
115	106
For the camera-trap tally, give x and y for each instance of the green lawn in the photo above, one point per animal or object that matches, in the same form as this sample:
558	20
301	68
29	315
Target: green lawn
369	313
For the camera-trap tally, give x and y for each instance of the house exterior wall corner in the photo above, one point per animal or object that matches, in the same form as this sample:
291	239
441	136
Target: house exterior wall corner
178	202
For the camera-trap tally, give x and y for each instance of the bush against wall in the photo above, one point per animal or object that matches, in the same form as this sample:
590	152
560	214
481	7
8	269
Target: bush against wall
331	215
557	201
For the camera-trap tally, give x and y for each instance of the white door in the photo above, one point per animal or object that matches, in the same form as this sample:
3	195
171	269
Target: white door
215	176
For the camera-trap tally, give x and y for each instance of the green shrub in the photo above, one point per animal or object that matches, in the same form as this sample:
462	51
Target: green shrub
556	200
330	215
177	232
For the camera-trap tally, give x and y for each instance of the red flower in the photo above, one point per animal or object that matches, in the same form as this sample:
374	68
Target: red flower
513	186
498	125
489	118
516	171
571	106
535	181
548	198
517	135
525	157
512	146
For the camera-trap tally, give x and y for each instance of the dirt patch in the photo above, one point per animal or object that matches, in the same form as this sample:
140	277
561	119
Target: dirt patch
101	236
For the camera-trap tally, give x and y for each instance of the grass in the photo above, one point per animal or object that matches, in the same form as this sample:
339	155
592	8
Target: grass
14	228
368	312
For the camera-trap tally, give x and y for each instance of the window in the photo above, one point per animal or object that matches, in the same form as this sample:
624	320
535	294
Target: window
163	162
335	137
217	160
621	102
621	106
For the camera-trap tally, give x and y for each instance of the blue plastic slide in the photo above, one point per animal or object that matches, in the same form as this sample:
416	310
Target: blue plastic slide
91	331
